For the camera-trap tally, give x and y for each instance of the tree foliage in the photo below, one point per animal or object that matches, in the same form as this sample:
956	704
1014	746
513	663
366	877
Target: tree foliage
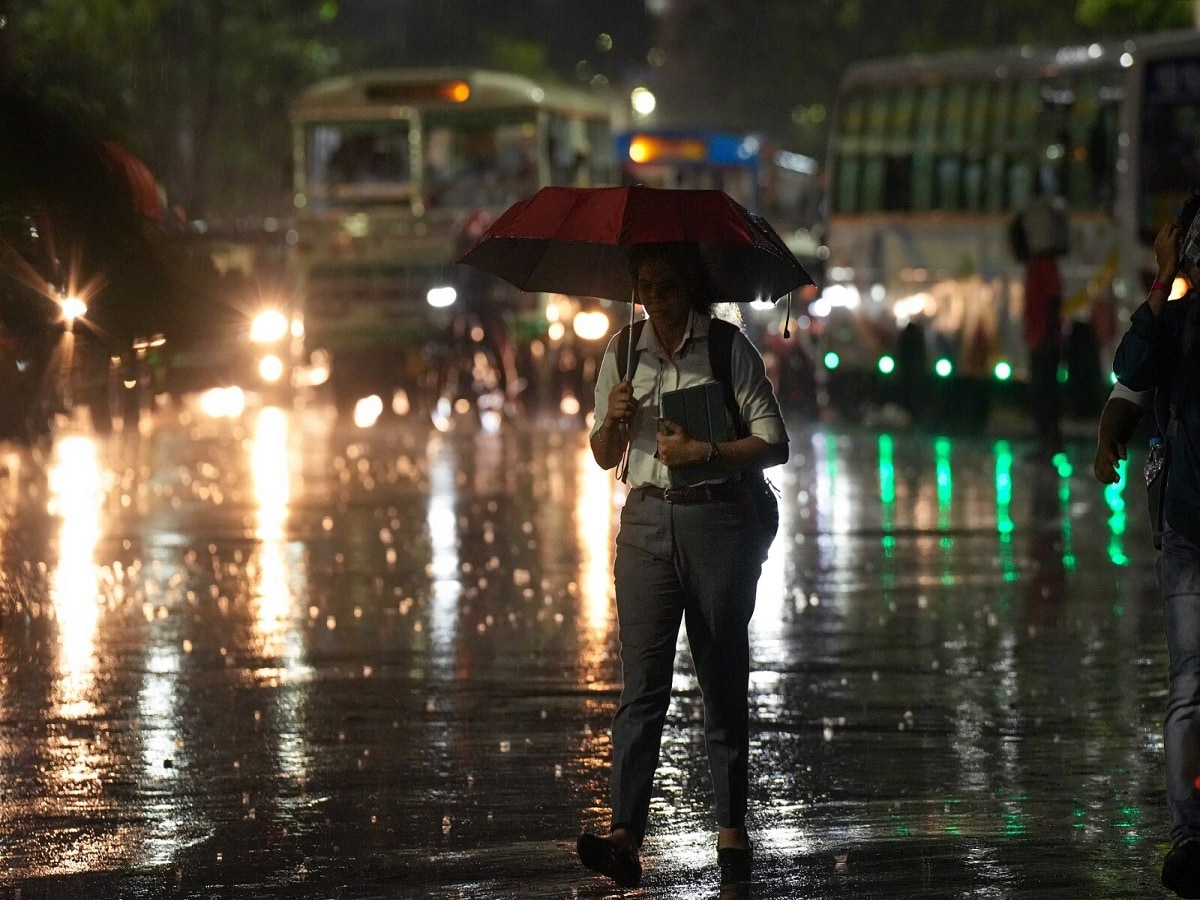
200	89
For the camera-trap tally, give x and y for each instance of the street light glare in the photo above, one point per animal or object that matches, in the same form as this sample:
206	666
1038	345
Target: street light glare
73	308
643	101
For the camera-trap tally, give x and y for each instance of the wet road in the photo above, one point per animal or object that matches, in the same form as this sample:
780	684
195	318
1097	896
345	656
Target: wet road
277	656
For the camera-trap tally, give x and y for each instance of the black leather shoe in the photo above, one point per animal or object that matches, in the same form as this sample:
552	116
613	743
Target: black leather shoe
1181	869
610	859
737	866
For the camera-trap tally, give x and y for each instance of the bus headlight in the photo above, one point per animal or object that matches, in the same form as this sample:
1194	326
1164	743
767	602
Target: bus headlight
590	326
270	368
269	326
441	297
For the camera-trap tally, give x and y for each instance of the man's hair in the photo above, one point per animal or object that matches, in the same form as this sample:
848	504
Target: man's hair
686	259
1187	212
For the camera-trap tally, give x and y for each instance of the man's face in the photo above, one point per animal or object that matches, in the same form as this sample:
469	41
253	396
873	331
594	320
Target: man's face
662	290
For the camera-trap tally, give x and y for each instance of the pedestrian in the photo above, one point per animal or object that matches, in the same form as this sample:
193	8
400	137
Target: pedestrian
1160	353
690	555
1041	234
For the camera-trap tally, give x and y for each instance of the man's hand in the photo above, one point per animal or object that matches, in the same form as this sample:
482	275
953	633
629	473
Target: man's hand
621	405
1109	453
1166	252
677	448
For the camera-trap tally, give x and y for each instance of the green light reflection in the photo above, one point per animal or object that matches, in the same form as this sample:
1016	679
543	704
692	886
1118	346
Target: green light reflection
1004	522
945	493
887	497
1114	497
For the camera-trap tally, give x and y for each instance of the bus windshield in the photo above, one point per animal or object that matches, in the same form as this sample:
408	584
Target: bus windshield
469	160
357	162
1170	140
479	160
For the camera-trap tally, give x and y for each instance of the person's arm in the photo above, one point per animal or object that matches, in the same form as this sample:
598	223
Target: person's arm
1144	349
1118	421
767	443
677	448
608	441
614	410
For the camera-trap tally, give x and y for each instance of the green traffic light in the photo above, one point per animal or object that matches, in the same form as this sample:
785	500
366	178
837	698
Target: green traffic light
943	367
832	360
887	365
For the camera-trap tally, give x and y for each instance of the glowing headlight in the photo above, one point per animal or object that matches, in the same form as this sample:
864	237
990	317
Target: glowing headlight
223	402
270	368
368	410
73	308
441	297
590	326
269	325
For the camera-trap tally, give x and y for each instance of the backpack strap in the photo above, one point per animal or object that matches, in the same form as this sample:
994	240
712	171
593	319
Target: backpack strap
1176	395
623	342
720	359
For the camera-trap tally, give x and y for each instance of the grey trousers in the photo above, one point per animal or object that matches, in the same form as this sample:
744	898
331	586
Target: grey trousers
1179	580
699	564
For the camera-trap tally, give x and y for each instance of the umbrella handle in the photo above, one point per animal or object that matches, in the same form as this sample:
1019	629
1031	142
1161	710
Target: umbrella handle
629	355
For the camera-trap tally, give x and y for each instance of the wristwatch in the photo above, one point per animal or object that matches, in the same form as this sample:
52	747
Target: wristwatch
714	453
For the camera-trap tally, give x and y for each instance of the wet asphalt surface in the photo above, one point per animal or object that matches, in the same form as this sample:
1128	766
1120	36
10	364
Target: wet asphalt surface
279	656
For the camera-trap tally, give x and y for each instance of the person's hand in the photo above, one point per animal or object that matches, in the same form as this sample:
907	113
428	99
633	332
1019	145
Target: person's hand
676	447
1109	453
1166	252
621	405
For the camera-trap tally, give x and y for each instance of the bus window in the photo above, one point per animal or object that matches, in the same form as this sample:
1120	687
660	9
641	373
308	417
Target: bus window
1020	169
898	147
1053	138
1083	119
928	108
568	151
353	161
999	116
849	146
951	147
847	184
473	161
973	166
602	158
872	149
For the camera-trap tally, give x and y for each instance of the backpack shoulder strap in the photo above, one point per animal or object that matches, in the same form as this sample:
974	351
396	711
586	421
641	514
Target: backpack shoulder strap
720	359
623	366
1187	345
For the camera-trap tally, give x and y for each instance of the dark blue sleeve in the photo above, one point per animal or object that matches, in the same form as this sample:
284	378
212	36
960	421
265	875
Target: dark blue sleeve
1144	354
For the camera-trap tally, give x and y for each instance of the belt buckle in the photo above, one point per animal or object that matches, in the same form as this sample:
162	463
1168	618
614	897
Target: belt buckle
670	495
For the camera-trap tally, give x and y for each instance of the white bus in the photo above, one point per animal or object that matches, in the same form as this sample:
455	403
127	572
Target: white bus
396	171
930	159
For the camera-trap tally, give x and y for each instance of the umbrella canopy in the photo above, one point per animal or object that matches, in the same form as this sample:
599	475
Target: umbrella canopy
578	240
140	181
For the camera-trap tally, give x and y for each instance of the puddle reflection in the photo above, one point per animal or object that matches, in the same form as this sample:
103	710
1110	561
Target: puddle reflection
77	492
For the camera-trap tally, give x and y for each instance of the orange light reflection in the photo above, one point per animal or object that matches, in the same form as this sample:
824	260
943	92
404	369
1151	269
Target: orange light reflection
593	530
77	497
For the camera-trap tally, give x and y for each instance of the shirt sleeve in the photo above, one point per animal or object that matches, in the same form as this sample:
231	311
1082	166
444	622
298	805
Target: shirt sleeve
1146	349
754	394
1144	399
606	380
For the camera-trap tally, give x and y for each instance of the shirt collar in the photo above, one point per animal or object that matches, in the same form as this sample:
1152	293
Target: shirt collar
697	328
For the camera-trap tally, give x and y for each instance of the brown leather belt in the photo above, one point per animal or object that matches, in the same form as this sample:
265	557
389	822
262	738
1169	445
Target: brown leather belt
717	492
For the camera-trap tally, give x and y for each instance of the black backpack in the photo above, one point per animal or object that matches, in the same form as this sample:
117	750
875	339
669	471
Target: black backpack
720	360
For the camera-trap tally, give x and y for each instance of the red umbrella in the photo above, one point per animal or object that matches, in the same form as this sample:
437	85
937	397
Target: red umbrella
577	241
136	177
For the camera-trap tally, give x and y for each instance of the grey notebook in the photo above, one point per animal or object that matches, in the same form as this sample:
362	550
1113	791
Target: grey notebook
700	410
